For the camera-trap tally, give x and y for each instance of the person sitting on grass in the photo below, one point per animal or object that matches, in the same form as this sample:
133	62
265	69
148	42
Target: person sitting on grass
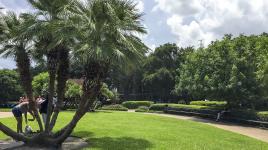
20	109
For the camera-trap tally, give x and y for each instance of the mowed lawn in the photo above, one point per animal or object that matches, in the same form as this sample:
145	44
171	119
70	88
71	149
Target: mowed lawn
134	131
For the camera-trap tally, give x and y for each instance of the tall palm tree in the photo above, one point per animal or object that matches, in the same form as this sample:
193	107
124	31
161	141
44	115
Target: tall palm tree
50	16
103	34
106	37
12	45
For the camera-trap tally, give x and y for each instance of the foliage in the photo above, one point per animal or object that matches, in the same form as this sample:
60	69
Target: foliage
263	115
134	131
9	83
195	108
111	95
158	107
73	90
160	70
115	107
40	84
136	104
142	109
231	69
209	103
249	114
106	91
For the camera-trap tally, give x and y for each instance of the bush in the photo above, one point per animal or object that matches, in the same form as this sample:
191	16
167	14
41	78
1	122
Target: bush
243	114
73	89
142	109
114	108
249	115
136	104
263	115
209	103
40	84
194	108
158	107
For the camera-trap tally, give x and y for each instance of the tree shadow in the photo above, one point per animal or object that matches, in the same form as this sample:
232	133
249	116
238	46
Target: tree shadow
120	143
83	134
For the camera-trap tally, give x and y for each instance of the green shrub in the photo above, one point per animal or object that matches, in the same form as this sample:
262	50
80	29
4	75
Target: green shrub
158	107
243	114
194	108
262	115
250	115
116	107
142	109
219	104
136	104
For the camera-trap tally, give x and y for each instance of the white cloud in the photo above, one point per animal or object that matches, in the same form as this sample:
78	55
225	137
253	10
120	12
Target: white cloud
140	5
172	6
13	5
207	20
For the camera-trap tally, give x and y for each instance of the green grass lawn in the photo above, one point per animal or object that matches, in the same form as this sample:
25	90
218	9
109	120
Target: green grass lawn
134	131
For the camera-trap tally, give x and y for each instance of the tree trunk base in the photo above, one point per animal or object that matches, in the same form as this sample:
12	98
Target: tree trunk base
72	143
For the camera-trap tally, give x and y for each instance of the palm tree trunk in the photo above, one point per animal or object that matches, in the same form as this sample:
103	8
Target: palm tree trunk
23	64
62	77
52	59
6	130
95	72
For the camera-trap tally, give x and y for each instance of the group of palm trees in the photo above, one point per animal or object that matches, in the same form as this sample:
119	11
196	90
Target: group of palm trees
96	33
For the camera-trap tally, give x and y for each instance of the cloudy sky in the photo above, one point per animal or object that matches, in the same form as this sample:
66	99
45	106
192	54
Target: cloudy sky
186	22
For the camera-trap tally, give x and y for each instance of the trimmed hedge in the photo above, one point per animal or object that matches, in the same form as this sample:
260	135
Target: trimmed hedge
250	115
136	104
220	104
114	108
194	108
142	109
158	107
263	115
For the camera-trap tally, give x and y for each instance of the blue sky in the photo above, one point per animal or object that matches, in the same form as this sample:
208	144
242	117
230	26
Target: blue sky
186	22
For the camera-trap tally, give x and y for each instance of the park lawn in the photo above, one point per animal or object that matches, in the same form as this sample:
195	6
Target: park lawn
134	131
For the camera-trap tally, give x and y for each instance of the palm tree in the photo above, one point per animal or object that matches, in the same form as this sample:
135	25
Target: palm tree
102	33
53	45
19	49
107	37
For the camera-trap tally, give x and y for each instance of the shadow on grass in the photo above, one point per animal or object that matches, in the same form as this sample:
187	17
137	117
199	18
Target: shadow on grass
83	134
120	143
114	143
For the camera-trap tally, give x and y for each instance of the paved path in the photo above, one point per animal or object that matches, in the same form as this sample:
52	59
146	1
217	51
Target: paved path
5	114
257	133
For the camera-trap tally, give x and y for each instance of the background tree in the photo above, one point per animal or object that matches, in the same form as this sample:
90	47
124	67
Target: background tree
9	80
160	71
231	69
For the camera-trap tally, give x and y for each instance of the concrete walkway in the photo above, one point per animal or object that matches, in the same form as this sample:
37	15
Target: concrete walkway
5	114
257	133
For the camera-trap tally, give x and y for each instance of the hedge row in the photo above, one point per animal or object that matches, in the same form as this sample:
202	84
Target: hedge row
249	115
161	107
136	104
263	115
114	108
194	108
142	109
158	107
220	104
